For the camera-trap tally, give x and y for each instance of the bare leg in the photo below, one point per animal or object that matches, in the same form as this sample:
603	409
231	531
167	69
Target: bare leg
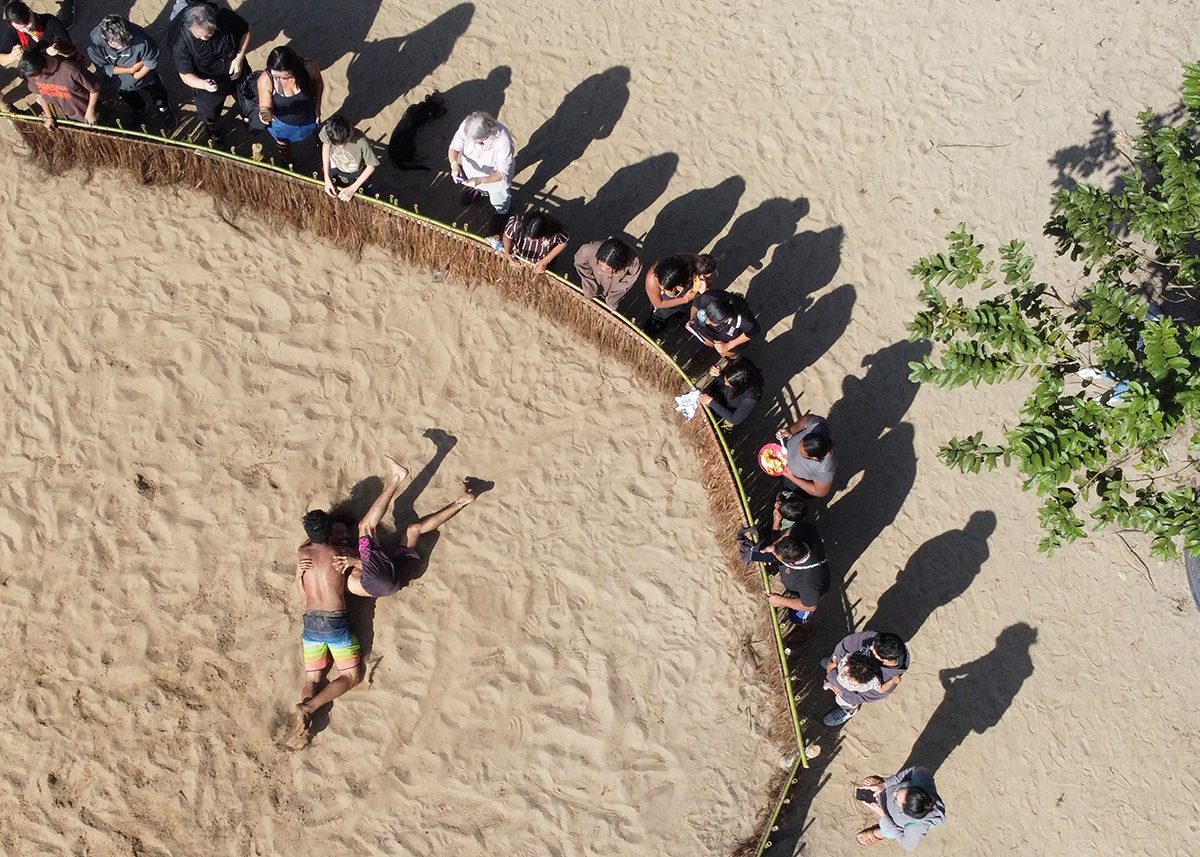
367	525
431	522
302	715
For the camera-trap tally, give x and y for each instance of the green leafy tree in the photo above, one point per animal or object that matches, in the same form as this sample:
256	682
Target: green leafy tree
1109	429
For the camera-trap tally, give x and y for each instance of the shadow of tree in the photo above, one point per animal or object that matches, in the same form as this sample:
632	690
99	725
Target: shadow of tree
977	696
1101	160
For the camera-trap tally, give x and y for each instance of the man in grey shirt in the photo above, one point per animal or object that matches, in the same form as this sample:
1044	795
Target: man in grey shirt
810	462
122	52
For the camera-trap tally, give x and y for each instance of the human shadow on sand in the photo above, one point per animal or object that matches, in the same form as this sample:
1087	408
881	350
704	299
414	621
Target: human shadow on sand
977	696
937	573
589	112
383	71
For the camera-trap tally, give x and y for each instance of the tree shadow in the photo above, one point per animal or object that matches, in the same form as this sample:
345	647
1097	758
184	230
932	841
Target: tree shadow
383	71
588	112
977	696
754	233
937	573
1101	161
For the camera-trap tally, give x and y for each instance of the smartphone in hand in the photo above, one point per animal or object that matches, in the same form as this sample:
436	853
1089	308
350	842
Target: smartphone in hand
864	795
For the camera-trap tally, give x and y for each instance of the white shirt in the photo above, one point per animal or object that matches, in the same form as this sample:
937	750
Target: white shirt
493	154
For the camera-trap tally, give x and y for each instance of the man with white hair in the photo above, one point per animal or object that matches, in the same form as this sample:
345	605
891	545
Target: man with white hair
482	157
210	55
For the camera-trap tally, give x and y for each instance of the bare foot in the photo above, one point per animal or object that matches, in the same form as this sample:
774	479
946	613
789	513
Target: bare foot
466	497
399	472
298	736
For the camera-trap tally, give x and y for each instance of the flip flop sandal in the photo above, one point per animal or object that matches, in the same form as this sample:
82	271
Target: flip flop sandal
869	836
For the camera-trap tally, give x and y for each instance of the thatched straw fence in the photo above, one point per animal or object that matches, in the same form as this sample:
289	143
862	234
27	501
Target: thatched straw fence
286	198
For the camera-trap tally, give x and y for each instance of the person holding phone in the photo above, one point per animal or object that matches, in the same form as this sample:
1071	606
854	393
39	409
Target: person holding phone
907	804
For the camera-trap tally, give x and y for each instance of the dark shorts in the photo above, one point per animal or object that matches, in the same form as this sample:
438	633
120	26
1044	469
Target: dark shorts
326	639
384	575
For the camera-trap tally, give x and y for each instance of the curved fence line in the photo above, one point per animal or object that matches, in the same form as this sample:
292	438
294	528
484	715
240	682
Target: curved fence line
392	206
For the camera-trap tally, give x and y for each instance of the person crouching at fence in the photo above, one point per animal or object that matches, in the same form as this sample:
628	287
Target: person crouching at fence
348	160
607	269
482	158
125	54
210	56
534	237
63	87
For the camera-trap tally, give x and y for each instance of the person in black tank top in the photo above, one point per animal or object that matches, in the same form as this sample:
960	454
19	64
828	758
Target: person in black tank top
289	98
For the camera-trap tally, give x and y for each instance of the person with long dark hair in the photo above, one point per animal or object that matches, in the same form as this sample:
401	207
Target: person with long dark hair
289	98
607	269
734	390
724	321
534	237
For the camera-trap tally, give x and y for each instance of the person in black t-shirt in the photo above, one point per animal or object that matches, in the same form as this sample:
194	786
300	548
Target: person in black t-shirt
734	391
798	556
210	55
23	28
723	320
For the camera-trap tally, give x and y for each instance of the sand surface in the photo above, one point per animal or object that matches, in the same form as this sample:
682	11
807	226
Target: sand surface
514	705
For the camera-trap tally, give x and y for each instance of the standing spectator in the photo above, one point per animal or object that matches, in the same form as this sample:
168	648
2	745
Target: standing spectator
723	321
123	52
799	558
64	88
210	55
289	98
907	804
735	390
673	282
24	29
347	158
810	462
482	156
535	237
607	269
887	650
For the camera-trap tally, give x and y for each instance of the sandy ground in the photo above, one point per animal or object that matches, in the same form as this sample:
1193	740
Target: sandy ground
822	147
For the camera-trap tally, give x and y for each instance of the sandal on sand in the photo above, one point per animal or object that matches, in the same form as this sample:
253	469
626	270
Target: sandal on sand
869	836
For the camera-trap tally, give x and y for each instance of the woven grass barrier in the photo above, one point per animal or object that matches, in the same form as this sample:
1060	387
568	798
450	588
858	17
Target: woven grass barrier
282	197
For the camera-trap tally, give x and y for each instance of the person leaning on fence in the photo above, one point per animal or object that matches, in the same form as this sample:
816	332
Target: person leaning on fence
210	56
534	237
348	159
886	649
63	86
607	269
811	465
670	287
24	29
798	556
907	804
723	321
482	158
289	98
734	390
124	53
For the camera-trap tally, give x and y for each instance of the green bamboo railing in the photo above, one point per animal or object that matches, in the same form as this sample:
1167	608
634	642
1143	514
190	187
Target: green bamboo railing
392	205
